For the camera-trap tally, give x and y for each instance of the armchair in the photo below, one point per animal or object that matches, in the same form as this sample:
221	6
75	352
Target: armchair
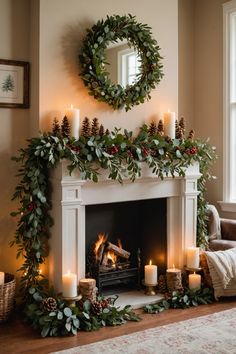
222	232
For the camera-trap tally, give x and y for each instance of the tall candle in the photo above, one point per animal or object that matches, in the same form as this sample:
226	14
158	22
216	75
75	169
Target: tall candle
69	284
73	118
194	281
193	257
169	124
2	277
150	274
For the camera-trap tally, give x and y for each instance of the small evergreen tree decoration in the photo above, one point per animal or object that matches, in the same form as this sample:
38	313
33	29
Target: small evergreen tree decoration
8	84
182	126
191	134
178	131
86	128
101	130
160	127
56	130
152	128
107	132
65	127
95	127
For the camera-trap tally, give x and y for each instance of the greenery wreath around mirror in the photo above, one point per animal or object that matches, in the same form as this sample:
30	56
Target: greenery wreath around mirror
93	59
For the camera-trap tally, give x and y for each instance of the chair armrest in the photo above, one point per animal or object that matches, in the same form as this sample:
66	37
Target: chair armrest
228	229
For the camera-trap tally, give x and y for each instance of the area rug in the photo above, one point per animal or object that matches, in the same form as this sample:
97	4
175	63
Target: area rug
212	334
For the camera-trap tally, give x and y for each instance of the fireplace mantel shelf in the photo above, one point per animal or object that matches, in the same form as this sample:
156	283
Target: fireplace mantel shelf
71	194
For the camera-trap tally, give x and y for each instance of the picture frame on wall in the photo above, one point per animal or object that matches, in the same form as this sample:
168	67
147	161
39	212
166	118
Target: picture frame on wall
14	84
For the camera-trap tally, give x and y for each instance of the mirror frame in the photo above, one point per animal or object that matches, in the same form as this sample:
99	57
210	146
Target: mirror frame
92	58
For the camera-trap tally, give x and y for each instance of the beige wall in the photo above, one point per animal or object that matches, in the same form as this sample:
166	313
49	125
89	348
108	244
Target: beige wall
14	123
208	83
62	26
186	61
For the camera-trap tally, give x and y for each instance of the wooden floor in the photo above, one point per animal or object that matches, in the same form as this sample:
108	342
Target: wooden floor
17	337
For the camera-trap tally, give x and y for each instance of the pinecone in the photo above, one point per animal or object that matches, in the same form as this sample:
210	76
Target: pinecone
182	125
176	128
95	127
160	127
152	128
162	284
104	303
65	128
97	307
101	130
168	139
107	132
56	130
86	128
49	304
191	134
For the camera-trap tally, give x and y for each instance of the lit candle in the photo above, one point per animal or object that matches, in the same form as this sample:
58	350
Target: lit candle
194	281
193	257
150	274
69	284
2	277
173	278
169	124
73	118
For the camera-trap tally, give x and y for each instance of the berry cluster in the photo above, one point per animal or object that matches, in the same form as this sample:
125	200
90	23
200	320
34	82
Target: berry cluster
191	151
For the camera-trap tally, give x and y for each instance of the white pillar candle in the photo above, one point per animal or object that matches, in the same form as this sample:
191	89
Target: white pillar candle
169	124
193	257
194	281
73	118
69	284
150	274
2	278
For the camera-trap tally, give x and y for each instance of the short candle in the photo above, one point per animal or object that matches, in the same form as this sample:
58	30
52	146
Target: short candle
193	257
2	277
69	284
194	281
150	274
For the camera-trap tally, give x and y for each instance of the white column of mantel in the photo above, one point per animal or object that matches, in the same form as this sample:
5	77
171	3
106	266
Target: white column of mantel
68	232
182	221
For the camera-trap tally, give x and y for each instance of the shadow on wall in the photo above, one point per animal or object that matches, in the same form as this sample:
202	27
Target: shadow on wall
71	44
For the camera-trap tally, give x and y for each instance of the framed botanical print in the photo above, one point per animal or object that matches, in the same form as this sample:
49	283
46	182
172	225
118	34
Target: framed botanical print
14	84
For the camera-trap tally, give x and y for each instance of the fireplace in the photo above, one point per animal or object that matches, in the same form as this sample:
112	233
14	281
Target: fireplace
74	199
121	238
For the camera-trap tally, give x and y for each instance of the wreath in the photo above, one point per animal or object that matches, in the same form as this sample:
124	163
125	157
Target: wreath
93	57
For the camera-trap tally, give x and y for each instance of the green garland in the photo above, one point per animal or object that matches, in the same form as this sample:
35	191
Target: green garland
93	57
182	299
119	153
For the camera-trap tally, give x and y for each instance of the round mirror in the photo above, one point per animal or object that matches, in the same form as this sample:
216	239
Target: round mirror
120	62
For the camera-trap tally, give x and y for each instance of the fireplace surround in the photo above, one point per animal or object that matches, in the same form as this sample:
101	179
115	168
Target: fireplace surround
71	195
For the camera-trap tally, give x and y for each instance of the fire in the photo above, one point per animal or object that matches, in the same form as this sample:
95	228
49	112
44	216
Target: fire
112	256
101	239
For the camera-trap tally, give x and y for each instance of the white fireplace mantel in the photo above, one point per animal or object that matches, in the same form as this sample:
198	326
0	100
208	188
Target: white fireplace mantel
71	194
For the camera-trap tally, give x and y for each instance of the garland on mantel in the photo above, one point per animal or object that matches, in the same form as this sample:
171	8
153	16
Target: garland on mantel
119	153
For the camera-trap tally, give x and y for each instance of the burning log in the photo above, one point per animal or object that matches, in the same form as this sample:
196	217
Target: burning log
120	252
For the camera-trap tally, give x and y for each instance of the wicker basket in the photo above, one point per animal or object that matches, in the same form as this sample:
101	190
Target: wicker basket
7	297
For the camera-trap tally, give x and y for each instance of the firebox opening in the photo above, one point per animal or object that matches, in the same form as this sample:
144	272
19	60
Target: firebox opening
133	227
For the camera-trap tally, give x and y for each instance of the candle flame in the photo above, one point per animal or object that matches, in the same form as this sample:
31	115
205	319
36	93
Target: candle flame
71	106
168	110
68	272
150	262
173	266
194	272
